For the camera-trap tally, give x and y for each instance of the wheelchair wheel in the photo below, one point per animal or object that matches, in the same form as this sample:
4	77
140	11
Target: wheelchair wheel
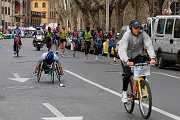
57	72
39	74
52	70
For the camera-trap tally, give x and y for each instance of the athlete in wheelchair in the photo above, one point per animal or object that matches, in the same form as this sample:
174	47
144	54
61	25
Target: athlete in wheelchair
50	64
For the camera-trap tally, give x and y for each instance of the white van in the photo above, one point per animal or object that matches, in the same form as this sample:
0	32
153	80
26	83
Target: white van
165	34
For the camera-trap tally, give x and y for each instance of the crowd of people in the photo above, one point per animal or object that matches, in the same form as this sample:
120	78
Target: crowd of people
90	37
130	50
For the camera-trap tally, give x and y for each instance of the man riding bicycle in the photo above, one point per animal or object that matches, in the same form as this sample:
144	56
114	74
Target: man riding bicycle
131	48
48	58
17	34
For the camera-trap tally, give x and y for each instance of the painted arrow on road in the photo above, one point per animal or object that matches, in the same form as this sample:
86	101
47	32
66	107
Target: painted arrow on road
59	115
18	78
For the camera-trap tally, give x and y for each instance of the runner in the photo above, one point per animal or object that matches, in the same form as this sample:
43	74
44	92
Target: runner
63	35
75	39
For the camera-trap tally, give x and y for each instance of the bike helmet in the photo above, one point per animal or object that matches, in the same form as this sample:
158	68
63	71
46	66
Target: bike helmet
50	56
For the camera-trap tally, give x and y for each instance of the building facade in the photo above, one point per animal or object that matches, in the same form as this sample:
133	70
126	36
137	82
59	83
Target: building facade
14	11
47	10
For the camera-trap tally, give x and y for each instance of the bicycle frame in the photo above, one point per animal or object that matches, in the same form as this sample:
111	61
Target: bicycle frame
17	40
136	89
139	89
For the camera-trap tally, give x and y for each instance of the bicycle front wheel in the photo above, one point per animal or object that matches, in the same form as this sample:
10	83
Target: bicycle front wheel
129	106
145	99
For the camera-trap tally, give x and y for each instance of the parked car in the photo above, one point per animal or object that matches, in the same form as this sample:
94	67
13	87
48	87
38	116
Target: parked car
8	36
166	39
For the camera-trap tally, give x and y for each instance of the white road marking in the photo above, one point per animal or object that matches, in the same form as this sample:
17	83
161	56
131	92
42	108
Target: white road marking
59	115
175	117
18	78
53	110
166	75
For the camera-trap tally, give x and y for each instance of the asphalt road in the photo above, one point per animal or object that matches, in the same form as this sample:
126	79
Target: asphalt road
92	92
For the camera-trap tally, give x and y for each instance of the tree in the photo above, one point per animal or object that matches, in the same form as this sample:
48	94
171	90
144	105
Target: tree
155	7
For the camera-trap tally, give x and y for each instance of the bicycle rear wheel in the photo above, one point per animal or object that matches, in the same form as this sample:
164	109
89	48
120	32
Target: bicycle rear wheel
17	49
129	106
145	99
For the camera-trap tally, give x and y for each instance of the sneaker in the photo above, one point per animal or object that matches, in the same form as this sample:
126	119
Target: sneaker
96	59
14	52
56	52
114	59
35	73
124	97
85	58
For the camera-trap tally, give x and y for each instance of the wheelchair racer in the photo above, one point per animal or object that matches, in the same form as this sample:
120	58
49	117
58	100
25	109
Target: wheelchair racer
49	57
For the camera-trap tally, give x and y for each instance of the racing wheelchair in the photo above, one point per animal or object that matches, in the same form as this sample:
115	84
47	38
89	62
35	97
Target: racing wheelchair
51	69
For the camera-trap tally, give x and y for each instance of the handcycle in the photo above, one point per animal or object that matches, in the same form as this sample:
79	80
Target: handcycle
51	69
139	89
17	47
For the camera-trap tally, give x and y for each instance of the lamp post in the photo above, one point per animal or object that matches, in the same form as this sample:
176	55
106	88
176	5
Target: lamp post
107	15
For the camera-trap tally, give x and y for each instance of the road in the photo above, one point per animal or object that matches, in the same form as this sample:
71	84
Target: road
92	92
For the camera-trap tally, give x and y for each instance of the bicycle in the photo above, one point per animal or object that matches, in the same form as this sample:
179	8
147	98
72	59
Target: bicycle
17	47
50	69
139	89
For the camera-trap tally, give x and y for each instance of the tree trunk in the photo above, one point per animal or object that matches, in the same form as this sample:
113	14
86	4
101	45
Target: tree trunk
86	18
155	7
119	18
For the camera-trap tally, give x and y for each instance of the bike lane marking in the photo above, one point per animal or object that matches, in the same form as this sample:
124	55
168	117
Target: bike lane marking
166	75
58	114
175	117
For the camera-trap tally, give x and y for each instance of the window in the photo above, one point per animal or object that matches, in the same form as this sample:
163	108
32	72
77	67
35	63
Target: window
169	26
5	10
160	27
43	5
43	14
9	12
36	5
2	10
177	29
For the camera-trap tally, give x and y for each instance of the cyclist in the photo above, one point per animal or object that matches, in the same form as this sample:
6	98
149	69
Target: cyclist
57	38
49	57
48	38
63	36
75	39
112	42
17	33
87	41
131	51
